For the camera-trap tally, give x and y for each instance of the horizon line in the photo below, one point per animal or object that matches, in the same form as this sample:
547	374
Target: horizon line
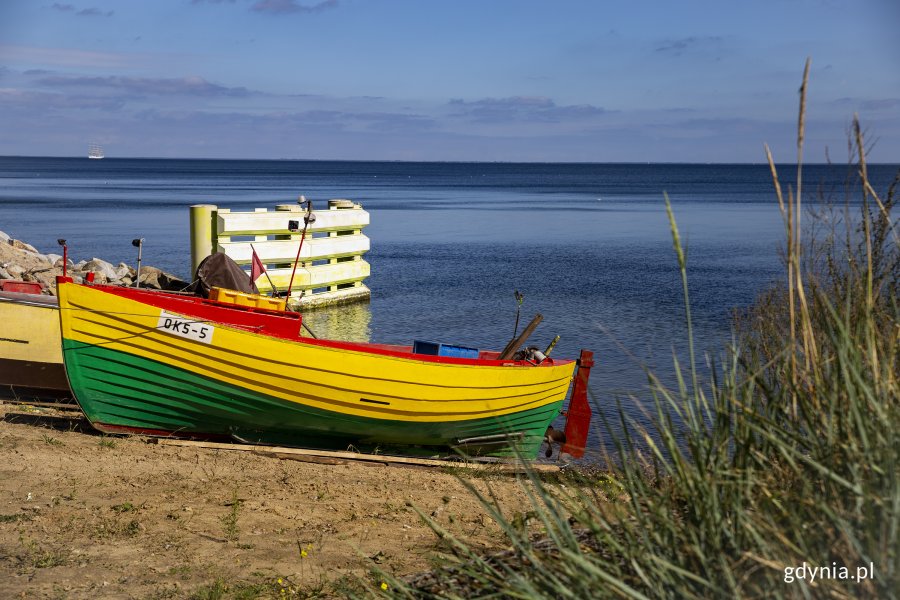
400	161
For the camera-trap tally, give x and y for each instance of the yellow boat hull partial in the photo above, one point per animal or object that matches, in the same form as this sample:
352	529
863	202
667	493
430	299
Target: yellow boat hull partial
30	355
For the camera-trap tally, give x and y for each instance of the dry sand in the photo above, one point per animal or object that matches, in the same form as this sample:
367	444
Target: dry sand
88	516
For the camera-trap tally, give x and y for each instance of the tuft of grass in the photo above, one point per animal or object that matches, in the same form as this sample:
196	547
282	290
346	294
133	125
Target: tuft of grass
122	524
13	518
230	519
131	528
45	559
212	591
106	442
51	441
124	507
281	587
164	593
116	528
782	453
34	556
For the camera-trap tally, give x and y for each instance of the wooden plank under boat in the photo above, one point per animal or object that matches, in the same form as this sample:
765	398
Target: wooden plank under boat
31	364
162	364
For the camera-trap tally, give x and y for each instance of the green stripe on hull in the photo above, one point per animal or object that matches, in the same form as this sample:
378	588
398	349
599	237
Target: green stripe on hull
117	388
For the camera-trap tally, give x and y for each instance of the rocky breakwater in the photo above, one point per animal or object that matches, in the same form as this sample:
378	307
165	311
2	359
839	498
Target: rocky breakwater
22	261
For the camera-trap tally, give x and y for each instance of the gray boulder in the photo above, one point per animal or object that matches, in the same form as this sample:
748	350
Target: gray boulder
23	246
123	271
11	254
44	259
103	270
152	277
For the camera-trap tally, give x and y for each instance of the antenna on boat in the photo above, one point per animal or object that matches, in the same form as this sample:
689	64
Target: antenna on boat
62	243
520	298
308	218
139	244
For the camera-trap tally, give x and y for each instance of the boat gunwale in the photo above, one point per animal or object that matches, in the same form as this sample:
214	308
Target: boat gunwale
38	300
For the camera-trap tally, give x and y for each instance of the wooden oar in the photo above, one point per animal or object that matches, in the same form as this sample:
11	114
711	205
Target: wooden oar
516	343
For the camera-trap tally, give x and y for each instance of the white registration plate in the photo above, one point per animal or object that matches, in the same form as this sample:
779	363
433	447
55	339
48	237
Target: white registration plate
185	327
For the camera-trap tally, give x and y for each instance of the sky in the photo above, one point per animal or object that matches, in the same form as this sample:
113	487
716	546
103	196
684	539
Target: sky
464	80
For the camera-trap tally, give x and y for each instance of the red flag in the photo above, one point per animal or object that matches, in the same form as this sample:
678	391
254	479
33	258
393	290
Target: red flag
257	268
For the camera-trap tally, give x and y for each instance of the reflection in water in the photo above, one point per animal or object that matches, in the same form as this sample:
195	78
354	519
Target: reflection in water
348	323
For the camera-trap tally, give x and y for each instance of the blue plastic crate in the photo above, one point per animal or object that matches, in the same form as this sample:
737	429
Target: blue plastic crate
439	349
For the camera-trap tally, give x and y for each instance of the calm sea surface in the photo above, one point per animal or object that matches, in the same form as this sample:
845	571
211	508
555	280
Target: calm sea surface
588	244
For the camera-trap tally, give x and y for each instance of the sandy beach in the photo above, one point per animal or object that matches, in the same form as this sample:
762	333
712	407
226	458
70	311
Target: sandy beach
84	515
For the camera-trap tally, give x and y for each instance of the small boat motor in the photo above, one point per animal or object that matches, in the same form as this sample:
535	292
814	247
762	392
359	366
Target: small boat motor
531	354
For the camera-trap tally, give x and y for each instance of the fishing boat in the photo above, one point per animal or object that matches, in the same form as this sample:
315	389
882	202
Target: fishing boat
162	364
95	151
31	365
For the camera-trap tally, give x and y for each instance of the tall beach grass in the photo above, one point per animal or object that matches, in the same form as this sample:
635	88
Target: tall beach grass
783	455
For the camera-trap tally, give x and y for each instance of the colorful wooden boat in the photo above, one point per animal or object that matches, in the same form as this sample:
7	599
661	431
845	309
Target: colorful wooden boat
161	364
31	362
31	365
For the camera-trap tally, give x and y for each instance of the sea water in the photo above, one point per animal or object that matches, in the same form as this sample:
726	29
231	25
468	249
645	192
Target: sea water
588	245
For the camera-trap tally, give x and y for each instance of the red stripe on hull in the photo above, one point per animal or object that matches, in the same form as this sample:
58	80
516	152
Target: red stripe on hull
125	430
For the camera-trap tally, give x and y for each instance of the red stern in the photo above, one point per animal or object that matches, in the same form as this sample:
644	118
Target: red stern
578	416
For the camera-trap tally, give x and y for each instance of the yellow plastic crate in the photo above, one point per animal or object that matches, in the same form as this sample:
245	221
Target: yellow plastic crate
241	299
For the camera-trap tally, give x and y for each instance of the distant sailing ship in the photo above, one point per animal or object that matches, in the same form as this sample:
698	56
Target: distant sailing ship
95	151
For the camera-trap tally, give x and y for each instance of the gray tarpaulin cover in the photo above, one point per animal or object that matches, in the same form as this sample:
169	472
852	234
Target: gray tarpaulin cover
219	270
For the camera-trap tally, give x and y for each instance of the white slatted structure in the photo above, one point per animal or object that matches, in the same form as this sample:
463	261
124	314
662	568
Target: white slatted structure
331	268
